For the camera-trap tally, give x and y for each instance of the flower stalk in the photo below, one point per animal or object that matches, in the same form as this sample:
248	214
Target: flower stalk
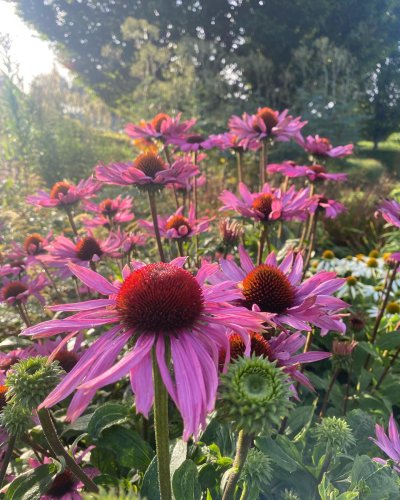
153	209
242	449
59	450
381	311
161	432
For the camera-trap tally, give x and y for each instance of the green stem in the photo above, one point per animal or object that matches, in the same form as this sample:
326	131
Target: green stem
381	311
71	221
386	370
325	467
242	448
153	209
23	313
261	243
328	393
161	431
59	450
239	158
7	458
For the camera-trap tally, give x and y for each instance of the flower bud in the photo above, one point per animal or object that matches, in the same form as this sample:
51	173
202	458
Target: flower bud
254	395
257	471
342	351
31	380
336	433
16	419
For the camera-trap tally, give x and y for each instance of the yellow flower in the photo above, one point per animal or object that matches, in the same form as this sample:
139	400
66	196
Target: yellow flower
374	254
393	308
351	280
328	254
372	262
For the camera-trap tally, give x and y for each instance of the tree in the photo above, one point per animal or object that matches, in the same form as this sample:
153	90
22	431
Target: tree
383	103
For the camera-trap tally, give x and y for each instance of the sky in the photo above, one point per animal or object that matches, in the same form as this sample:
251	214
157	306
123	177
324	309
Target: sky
34	55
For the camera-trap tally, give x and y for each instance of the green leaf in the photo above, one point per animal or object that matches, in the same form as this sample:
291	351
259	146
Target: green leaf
32	484
178	455
185	483
300	419
105	417
280	451
80	425
389	341
130	449
150	488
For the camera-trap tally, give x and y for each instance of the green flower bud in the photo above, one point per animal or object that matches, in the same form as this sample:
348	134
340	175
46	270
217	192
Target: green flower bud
254	394
336	433
257	471
16	419
31	380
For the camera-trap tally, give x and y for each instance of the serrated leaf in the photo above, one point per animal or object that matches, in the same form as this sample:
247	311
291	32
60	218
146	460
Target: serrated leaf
32	484
105	417
185	482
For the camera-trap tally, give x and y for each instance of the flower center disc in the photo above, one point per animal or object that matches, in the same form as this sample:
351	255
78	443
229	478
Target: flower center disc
158	120
107	209
3	399
59	188
67	359
87	248
62	485
318	169
160	298
180	223
13	289
195	139
263	204
269	288
149	163
33	244
268	116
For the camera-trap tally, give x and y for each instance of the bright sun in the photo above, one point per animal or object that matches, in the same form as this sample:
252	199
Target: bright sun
34	55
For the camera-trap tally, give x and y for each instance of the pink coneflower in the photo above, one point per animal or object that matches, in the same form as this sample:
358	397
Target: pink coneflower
33	248
277	290
389	444
65	486
312	172
390	211
64	194
162	127
268	205
267	123
328	208
155	303
282	349
192	143
322	147
232	141
177	226
110	211
148	171
85	251
19	291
